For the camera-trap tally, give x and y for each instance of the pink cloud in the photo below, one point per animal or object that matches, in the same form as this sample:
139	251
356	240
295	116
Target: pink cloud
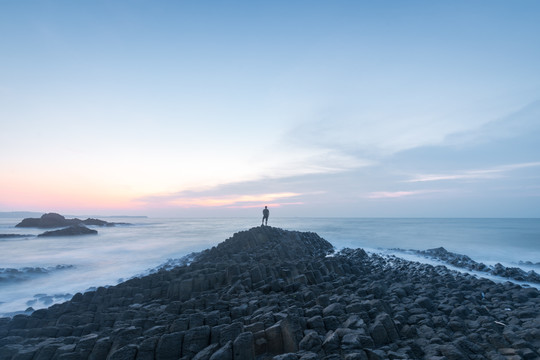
397	194
239	201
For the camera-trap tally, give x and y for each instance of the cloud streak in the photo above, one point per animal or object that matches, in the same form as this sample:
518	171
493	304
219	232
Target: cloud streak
396	194
479	174
203	199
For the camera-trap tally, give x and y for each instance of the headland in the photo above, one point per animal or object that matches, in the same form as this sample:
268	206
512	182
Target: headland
268	293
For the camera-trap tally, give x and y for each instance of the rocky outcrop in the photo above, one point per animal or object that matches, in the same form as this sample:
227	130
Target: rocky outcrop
268	293
70	231
53	220
465	262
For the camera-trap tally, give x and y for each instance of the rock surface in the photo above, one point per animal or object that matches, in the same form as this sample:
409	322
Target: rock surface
268	293
53	220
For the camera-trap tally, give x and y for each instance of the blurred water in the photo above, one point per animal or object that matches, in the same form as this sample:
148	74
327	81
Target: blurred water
120	252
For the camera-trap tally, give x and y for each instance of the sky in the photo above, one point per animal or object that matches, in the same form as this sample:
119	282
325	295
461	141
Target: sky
312	108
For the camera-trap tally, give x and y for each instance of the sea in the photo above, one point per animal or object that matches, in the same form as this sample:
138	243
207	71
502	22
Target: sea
37	272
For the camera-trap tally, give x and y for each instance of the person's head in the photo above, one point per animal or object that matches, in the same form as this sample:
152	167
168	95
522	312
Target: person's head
266	207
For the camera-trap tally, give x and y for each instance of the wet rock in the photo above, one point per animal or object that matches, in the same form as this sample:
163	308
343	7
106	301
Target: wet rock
243	348
331	343
128	352
230	332
311	342
451	352
223	353
425	303
169	346
291	332
206	353
335	309
195	340
147	348
274	339
101	349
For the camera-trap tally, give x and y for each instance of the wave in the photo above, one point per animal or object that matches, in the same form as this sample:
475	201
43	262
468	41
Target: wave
167	265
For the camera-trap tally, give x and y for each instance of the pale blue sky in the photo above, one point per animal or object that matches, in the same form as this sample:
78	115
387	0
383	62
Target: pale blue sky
315	108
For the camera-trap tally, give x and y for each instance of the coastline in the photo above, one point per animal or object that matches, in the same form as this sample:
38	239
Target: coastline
267	292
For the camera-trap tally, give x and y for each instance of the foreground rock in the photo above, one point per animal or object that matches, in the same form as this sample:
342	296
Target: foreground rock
70	231
267	293
53	220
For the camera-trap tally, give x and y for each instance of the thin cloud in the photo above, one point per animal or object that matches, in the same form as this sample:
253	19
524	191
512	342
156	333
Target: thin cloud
492	173
231	200
221	198
396	194
272	205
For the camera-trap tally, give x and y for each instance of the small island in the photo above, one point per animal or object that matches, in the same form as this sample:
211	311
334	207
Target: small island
70	231
54	220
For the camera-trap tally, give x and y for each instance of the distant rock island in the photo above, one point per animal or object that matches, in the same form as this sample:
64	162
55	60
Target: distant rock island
70	231
54	220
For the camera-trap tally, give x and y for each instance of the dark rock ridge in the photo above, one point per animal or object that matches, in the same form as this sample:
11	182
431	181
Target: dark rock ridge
53	220
8	236
465	262
268	293
70	231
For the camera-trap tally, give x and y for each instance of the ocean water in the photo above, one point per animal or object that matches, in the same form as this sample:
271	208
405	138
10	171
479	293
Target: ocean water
38	272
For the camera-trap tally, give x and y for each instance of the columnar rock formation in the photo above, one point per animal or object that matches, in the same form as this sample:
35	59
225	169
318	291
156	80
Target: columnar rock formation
269	293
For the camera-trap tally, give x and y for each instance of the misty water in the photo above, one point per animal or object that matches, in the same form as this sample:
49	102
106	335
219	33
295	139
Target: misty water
38	272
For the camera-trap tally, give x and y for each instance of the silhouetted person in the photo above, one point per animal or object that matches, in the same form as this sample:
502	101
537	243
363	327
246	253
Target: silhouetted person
266	212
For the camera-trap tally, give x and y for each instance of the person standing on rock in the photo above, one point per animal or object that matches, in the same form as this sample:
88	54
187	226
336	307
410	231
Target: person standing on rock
266	213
